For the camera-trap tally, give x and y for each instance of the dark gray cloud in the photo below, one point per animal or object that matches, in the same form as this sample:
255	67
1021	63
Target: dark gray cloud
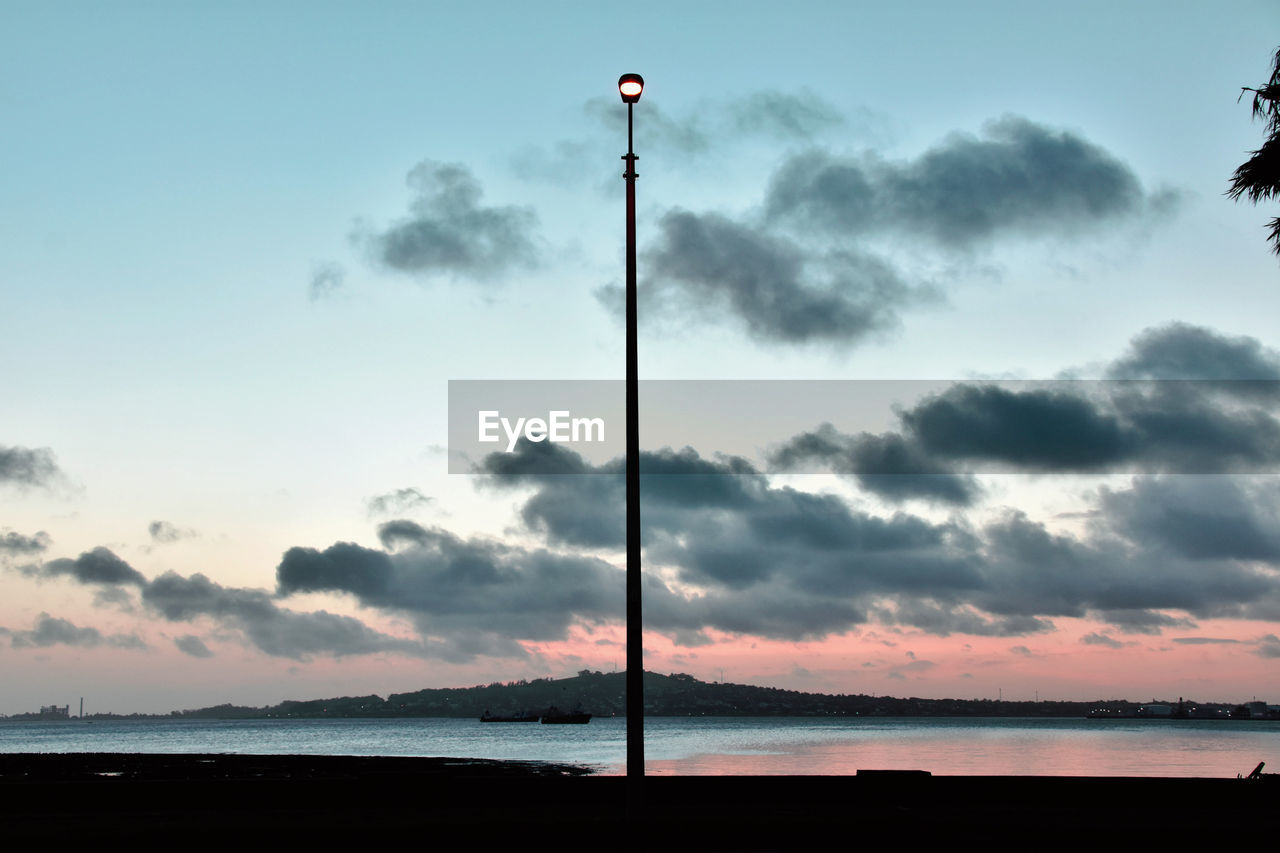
1142	621
1203	641
52	631
15	544
892	466
802	272
99	566
777	562
474	591
1045	430
252	613
448	231
715	266
1183	351
326	280
1200	517
1268	646
803	269
273	630
1192	426
396	502
1019	177
25	467
192	645
1096	639
165	533
1029	569
944	620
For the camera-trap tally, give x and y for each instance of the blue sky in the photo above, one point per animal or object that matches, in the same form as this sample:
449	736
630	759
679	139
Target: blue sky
204	325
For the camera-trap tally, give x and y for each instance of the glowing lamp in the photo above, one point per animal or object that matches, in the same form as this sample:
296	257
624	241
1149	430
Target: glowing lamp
630	86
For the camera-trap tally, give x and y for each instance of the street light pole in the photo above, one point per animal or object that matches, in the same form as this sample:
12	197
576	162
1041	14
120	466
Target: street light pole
630	86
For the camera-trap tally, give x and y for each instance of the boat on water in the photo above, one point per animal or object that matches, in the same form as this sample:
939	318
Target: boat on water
521	717
555	716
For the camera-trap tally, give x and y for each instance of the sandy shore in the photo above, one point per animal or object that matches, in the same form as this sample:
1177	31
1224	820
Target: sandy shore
198	800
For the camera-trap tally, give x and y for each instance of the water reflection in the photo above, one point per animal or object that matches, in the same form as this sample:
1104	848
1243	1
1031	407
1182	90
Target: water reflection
967	748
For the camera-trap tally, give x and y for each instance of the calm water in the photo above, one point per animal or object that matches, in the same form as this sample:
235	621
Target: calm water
717	746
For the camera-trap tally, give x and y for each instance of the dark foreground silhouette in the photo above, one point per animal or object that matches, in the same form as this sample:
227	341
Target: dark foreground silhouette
208	800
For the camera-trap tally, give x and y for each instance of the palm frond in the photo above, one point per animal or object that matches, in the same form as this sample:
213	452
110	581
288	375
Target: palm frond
1258	178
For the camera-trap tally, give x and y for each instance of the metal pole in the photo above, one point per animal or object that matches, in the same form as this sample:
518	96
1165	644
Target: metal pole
635	641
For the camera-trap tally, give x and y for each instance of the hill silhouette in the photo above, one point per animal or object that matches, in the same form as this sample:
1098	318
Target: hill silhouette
604	694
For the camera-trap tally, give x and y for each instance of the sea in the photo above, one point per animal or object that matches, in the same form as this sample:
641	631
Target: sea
710	746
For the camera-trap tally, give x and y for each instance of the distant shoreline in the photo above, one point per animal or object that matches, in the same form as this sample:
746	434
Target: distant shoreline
90	718
677	695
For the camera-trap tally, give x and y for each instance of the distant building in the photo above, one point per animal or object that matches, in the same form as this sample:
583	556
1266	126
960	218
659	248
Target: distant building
55	712
1155	710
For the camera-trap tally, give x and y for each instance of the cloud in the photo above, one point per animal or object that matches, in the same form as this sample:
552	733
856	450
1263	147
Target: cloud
1109	575
192	645
99	566
1095	427
1033	429
396	502
273	630
783	115
164	533
892	466
803	271
326	280
478	595
1096	639
1203	641
770	114
1268	646
1142	621
715	266
26	467
15	544
688	135
687	138
1200	517
1192	426
776	562
945	620
448	231
253	613
51	631
1017	178
1183	351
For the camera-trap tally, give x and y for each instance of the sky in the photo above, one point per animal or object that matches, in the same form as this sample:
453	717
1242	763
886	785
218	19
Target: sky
975	258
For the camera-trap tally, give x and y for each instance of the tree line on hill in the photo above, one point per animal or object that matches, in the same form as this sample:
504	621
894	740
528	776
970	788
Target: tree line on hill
675	695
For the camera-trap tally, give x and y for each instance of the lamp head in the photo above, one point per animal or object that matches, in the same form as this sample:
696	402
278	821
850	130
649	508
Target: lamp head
630	86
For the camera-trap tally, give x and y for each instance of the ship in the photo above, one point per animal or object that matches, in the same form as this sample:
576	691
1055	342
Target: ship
554	715
520	717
